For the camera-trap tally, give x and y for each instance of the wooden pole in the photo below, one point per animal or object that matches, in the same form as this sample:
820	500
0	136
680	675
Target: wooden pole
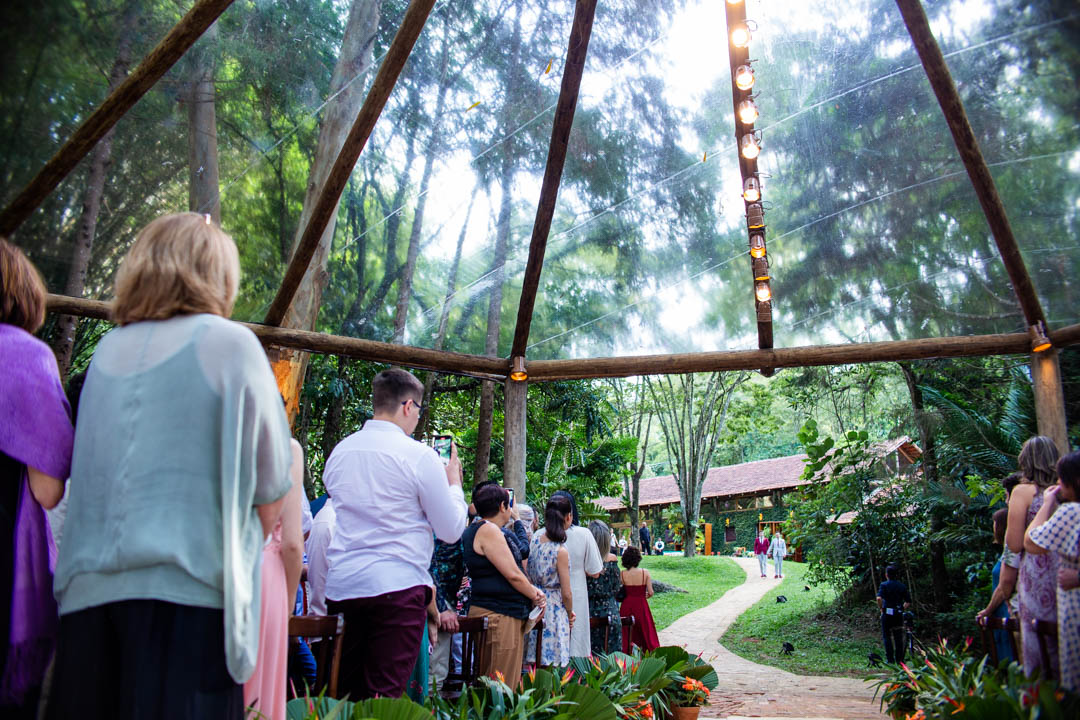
964	346
1049	397
406	355
576	51
514	438
157	63
396	56
546	370
937	71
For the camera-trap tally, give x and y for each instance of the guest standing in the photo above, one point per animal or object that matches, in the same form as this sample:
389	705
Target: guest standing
602	590
549	569
1003	577
500	590
639	589
646	539
390	493
585	561
447	570
761	550
318	542
283	559
180	469
778	550
893	599
1056	529
1038	573
35	459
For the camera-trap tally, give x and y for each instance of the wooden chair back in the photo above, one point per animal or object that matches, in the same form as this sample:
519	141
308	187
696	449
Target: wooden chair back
627	630
1010	625
473	654
330	632
1045	630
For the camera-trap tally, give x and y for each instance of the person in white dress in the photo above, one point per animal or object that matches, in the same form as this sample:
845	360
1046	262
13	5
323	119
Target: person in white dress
585	561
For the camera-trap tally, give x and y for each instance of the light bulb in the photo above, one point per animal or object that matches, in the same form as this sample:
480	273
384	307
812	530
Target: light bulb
748	112
751	190
757	245
762	292
733	2
744	77
750	147
740	36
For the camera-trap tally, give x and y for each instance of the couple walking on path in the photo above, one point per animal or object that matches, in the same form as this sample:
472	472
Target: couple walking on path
777	548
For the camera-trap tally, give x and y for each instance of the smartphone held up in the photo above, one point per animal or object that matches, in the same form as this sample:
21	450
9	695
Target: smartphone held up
442	445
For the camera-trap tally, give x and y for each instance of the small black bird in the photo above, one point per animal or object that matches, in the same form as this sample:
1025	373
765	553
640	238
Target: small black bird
873	660
806	588
781	598
788	649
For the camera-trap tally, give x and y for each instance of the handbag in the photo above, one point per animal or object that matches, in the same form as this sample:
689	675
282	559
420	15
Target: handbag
620	594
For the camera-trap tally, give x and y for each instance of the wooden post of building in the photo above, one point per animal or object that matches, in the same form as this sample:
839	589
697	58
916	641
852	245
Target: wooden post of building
1049	397
516	394
708	538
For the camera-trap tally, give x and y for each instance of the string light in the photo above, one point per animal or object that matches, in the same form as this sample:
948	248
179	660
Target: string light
740	36
762	292
761	269
755	216
744	77
1039	341
749	146
757	245
751	190
517	373
748	112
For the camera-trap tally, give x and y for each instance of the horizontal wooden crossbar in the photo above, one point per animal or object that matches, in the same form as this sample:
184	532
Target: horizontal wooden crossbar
548	370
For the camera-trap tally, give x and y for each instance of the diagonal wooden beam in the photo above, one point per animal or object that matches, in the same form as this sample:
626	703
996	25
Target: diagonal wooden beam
937	71
576	51
123	98
393	62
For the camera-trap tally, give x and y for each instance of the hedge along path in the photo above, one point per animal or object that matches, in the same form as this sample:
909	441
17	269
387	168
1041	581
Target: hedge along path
748	689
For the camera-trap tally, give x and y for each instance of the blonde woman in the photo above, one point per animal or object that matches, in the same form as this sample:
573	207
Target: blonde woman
1038	573
180	468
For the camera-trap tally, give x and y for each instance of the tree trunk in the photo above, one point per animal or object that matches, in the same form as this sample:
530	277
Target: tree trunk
939	572
289	365
204	194
401	311
95	189
332	426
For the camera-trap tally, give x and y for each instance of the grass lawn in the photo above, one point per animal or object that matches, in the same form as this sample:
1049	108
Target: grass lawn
704	578
827	640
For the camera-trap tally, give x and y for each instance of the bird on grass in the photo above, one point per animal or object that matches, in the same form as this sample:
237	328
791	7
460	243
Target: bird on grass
806	588
781	598
788	649
873	660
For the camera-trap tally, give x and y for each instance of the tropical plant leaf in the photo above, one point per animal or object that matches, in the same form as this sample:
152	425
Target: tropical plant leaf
390	709
584	703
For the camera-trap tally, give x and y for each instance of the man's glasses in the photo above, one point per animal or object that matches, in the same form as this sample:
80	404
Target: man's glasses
418	406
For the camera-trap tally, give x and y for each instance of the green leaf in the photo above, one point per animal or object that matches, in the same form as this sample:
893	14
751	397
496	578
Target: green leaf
390	709
584	703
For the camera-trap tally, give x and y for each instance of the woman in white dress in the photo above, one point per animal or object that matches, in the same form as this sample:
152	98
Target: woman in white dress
584	560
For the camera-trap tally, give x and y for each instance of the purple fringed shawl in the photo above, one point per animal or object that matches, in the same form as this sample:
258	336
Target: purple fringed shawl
35	430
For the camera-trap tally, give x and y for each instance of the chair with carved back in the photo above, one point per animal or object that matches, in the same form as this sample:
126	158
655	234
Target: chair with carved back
1046	632
627	629
601	622
1010	625
330	632
473	652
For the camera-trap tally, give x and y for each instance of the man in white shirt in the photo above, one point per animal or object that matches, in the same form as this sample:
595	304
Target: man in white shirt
318	542
390	493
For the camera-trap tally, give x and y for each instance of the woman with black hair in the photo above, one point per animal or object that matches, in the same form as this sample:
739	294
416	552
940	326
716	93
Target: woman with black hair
549	569
639	589
500	591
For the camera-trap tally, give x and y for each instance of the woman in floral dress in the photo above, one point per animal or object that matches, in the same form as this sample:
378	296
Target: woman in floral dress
1038	573
602	589
549	570
1056	530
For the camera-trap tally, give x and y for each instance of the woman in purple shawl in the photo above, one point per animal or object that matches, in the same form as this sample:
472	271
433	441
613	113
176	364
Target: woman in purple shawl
35	459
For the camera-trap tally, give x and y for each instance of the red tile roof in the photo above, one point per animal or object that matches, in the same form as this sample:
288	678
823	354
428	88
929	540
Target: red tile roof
749	478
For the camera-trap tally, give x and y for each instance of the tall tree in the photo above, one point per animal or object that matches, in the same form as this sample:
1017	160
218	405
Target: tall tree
691	414
633	418
204	190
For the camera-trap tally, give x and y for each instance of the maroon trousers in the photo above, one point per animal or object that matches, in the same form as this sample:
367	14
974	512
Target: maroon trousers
382	641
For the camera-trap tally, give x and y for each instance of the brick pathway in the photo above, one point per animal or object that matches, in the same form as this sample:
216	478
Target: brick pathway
749	690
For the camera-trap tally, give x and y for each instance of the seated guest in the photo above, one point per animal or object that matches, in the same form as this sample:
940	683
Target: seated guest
390	494
500	590
1056	529
180	470
549	569
639	589
602	590
283	559
35	458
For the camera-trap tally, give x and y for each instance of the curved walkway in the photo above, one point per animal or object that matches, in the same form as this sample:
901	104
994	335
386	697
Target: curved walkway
747	689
